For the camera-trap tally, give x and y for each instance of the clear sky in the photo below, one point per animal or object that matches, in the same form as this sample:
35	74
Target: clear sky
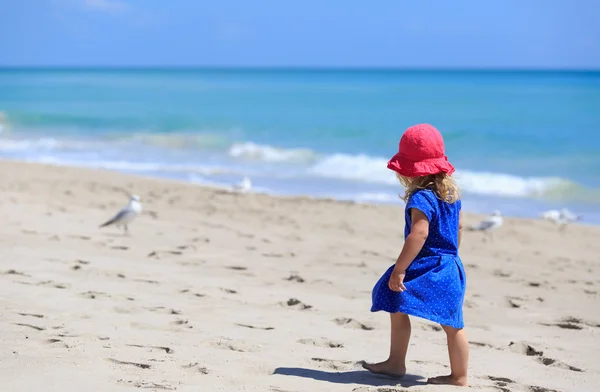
388	33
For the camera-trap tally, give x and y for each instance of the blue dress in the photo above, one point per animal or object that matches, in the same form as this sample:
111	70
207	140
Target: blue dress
435	281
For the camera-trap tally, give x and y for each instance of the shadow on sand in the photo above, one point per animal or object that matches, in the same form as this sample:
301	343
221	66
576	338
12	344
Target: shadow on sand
361	377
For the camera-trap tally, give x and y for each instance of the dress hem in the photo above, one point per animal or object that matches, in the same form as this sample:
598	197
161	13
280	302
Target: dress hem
416	313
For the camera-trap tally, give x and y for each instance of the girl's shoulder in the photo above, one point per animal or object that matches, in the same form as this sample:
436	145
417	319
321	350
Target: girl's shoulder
430	197
425	201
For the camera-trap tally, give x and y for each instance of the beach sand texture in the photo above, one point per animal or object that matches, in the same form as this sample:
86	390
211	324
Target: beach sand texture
215	291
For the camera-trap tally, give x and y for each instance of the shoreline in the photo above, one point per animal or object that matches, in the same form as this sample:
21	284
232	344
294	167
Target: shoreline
219	290
275	194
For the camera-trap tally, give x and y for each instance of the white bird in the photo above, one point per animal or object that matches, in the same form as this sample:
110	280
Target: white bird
568	217
489	224
561	217
552	216
244	186
126	215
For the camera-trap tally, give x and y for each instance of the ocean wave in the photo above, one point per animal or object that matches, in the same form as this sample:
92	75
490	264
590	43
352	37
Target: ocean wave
259	158
374	170
16	145
266	153
135	167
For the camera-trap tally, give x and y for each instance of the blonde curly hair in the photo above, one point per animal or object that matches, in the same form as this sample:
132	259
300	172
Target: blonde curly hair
441	184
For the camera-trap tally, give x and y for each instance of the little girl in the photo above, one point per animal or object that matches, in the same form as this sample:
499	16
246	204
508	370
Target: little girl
428	279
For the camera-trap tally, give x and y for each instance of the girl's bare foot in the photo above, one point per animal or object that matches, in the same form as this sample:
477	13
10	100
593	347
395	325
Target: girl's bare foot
386	368
448	380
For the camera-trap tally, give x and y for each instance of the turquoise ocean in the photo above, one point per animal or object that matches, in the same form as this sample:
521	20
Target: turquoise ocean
522	141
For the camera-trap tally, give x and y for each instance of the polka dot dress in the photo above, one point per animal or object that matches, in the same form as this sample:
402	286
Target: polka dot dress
435	281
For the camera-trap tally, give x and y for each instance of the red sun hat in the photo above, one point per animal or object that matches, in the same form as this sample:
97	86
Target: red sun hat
421	153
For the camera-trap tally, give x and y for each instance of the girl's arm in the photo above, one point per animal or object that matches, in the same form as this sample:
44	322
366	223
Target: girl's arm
414	242
419	230
460	228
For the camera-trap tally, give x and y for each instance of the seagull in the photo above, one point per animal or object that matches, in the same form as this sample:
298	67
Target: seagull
244	186
489	224
568	217
126	215
552	216
561	217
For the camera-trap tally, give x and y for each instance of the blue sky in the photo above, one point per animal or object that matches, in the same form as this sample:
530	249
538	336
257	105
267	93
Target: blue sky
388	33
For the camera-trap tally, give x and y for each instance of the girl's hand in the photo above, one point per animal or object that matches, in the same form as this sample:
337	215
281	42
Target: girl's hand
396	282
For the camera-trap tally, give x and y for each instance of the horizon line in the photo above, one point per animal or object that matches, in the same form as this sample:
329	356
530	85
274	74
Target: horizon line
291	68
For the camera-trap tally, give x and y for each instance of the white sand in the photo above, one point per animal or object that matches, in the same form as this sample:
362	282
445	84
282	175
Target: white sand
196	299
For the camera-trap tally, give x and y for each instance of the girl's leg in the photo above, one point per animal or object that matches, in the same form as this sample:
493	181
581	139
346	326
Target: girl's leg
458	349
395	365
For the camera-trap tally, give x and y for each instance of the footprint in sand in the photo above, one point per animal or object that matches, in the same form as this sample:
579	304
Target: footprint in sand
237	268
139	365
480	344
167	350
295	278
184	247
526	349
557	364
167	252
239	346
351	323
514	302
333	364
148	385
431	327
147	281
55	343
200	239
296	304
470	304
535	388
534	284
321	342
501	383
15	272
30	326
53	284
163	309
195	366
199	295
94	294
255	327
572	323
502	274
182	322
31	315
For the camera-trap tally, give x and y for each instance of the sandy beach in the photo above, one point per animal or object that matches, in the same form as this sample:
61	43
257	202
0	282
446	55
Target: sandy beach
217	291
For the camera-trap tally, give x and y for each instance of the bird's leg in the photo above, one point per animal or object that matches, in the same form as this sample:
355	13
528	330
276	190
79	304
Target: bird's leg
126	230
